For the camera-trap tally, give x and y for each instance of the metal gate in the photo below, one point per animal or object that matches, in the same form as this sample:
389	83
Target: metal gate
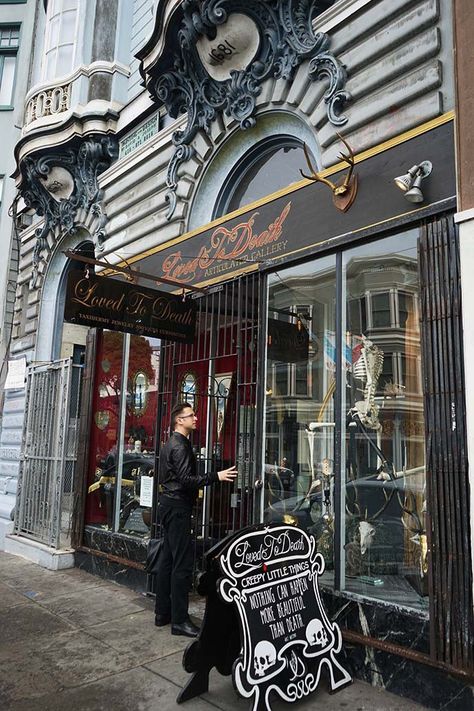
49	453
218	376
452	621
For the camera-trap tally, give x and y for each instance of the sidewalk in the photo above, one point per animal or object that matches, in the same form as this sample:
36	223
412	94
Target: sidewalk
69	640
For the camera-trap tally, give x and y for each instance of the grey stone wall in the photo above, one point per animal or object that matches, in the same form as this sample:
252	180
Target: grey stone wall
143	22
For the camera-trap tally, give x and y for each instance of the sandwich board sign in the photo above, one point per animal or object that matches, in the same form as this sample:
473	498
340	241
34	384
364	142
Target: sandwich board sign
271	575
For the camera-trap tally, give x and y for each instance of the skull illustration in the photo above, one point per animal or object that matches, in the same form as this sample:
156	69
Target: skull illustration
265	657
316	634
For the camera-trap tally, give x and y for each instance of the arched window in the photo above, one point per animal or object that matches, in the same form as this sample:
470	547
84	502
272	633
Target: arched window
87	250
269	166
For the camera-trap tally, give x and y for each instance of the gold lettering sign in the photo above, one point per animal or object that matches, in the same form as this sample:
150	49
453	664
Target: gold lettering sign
225	245
108	303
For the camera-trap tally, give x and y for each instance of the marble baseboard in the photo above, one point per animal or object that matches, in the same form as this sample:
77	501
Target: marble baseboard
120	545
111	570
426	685
384	621
406	628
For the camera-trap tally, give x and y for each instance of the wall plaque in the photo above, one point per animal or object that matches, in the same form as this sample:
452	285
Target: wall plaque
139	136
102	302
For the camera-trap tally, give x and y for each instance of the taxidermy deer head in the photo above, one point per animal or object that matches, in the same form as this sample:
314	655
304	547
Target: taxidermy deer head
345	191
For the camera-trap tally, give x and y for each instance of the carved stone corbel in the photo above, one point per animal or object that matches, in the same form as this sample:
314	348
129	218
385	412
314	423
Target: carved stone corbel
59	183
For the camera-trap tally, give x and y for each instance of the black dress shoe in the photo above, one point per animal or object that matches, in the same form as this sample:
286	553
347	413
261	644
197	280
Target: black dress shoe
187	629
162	620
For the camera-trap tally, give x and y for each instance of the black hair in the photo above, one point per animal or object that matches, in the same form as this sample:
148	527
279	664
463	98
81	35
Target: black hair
177	410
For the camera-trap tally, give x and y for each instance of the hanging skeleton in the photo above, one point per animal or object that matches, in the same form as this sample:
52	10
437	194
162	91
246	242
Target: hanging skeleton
368	368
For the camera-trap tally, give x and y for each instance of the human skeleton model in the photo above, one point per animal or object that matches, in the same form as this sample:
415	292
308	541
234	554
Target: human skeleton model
368	368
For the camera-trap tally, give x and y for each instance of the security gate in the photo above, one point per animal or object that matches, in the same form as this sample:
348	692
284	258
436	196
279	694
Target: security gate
49	453
218	375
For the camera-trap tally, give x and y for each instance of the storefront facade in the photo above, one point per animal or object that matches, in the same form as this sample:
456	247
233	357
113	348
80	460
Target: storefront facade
327	359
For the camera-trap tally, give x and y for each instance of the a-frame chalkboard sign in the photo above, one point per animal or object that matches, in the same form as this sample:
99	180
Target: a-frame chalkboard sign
266	578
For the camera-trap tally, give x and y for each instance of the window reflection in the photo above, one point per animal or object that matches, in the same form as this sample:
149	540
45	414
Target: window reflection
299	441
385	536
382	544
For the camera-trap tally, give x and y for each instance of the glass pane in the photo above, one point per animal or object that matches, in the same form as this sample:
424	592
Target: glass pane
139	443
69	4
299	436
381	310
9	36
64	64
385	534
53	38
276	169
7	78
1	188
68	26
50	65
105	430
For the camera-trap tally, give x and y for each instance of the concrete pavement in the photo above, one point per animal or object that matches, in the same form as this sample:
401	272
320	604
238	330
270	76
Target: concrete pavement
69	640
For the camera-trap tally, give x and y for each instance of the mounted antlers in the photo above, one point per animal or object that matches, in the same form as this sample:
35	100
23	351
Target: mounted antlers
345	191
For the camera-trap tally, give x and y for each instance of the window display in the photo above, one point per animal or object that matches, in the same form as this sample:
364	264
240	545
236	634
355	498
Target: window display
123	435
363	360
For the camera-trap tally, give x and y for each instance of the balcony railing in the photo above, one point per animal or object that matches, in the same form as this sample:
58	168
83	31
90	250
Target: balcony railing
50	103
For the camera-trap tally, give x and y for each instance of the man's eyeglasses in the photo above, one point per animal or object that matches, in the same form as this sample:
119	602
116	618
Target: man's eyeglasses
193	414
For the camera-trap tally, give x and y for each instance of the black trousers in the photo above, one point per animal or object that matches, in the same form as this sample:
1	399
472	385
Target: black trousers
174	576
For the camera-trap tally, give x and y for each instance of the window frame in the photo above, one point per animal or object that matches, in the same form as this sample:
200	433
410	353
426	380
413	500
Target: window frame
49	49
9	52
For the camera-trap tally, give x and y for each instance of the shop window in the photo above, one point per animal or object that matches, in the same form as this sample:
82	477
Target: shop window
123	434
299	437
61	32
263	170
379	470
9	42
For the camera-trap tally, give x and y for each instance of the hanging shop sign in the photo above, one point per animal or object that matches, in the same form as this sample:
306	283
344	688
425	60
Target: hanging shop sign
287	342
102	302
270	583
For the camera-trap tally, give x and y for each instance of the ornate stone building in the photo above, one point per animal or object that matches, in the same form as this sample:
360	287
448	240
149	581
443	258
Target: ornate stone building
166	141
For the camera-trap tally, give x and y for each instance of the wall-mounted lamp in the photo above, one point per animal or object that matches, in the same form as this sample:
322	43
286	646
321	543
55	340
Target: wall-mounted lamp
411	181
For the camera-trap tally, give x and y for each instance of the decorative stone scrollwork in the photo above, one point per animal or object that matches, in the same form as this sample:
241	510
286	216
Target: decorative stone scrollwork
208	76
58	184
